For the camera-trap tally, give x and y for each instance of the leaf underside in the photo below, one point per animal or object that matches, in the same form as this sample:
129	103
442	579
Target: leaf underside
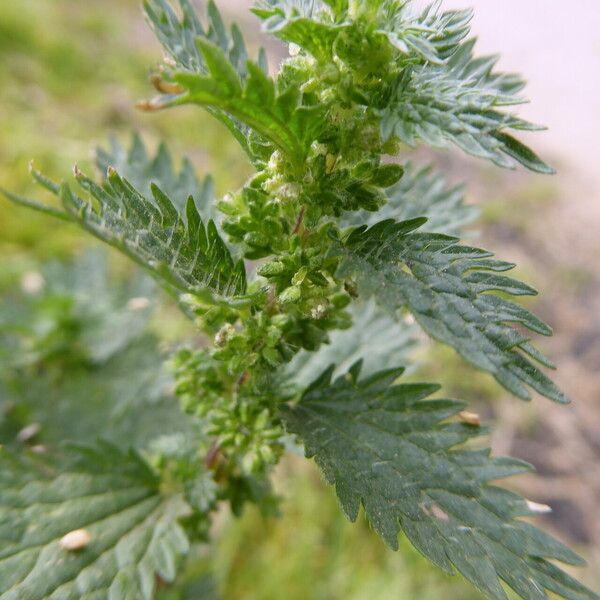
461	102
386	447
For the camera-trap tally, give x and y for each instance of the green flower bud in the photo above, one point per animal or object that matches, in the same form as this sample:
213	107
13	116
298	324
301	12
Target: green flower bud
290	295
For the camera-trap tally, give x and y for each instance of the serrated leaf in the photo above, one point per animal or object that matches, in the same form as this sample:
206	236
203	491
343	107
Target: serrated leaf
212	69
461	102
421	193
131	531
308	23
386	447
447	288
178	35
432	36
316	25
142	170
181	252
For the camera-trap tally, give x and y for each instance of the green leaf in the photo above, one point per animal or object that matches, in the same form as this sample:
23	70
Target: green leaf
316	25
308	23
178	35
76	314
125	400
211	68
431	36
387	448
447	288
422	193
461	101
182	253
143	170
275	115
132	529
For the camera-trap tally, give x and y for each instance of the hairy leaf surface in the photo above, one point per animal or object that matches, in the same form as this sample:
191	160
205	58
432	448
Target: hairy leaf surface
183	253
256	101
142	170
447	288
315	26
387	448
134	536
310	24
461	102
179	35
212	69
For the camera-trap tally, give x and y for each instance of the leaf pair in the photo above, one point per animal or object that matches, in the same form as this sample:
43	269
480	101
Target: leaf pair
439	93
315	26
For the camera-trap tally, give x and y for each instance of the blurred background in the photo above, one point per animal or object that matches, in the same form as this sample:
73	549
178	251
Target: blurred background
71	72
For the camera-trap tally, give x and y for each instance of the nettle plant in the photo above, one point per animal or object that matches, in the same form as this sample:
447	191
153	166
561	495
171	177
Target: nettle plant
304	281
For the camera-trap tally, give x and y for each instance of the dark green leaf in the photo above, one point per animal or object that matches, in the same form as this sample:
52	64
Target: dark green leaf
387	448
447	288
181	252
253	101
